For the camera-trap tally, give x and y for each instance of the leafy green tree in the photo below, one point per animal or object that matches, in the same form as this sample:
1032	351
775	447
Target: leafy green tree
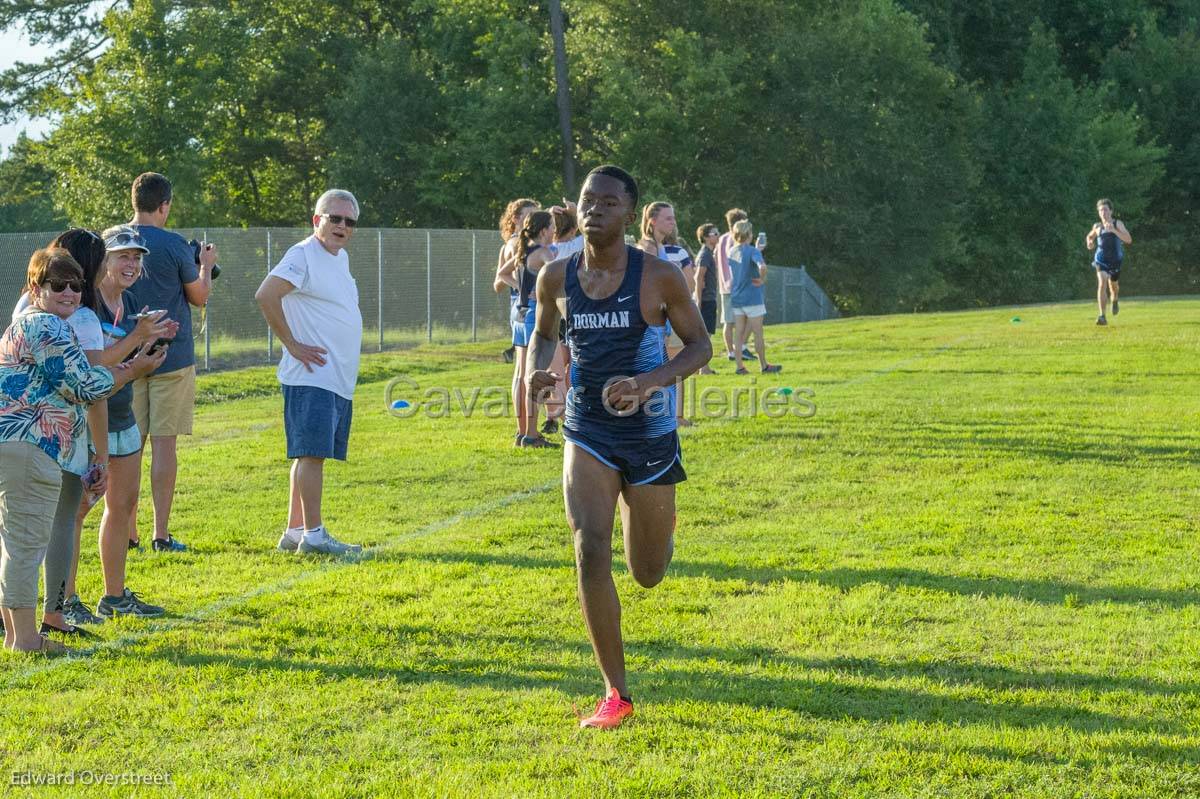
915	154
1048	150
1160	73
25	191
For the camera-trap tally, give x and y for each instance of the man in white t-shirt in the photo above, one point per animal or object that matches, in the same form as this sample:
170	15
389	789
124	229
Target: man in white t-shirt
310	300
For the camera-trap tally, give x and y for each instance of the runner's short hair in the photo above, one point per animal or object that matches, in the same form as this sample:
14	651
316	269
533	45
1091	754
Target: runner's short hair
704	230
612	171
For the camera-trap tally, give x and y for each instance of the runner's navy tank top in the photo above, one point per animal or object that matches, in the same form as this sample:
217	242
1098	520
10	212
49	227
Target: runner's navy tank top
1109	251
527	279
609	338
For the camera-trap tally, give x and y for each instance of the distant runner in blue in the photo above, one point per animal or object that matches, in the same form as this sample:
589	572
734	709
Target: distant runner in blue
1108	238
621	448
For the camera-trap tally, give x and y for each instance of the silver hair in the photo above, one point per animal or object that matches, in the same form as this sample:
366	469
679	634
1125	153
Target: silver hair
326	199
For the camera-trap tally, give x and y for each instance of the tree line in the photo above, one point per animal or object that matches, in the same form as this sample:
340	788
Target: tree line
914	154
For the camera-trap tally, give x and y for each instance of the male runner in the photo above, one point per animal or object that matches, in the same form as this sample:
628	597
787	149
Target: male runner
1107	238
621	446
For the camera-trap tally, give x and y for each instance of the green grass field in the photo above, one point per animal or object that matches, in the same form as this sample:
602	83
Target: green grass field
973	573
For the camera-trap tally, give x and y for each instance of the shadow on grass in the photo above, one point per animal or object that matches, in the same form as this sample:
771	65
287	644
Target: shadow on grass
784	683
1045	592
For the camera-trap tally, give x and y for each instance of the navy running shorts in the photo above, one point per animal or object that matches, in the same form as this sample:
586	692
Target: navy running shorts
1113	272
654	461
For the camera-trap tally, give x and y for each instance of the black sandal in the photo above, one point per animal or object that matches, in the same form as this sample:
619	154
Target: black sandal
72	630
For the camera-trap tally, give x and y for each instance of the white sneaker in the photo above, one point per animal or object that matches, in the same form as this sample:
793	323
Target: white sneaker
320	541
290	540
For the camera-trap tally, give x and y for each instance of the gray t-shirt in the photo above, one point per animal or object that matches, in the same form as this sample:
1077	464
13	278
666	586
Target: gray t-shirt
165	269
708	260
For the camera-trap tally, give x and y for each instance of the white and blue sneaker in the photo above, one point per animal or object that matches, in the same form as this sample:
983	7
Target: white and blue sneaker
319	541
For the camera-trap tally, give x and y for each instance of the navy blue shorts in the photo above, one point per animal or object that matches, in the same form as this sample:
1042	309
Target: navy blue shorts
655	461
317	422
1113	272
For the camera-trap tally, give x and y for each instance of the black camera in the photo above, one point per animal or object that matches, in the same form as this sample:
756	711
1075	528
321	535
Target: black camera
160	343
196	247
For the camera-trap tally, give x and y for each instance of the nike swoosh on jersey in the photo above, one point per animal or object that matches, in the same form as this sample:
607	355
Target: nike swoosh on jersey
622	299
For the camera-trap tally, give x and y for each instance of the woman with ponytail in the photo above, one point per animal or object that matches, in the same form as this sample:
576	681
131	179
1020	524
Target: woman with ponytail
660	238
511	222
531	253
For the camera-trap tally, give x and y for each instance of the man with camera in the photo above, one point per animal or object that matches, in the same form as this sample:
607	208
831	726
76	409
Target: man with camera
174	277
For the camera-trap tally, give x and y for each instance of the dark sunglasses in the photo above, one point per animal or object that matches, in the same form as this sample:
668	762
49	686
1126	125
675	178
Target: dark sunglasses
338	219
62	285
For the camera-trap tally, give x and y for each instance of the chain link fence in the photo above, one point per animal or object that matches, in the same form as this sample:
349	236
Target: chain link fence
414	286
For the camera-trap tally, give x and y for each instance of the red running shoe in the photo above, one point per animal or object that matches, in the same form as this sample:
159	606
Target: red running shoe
610	712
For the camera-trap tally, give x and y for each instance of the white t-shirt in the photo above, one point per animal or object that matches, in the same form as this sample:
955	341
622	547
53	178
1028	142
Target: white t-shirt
322	312
84	322
562	249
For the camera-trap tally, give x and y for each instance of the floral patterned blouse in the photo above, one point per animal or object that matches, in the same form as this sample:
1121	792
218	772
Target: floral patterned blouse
45	384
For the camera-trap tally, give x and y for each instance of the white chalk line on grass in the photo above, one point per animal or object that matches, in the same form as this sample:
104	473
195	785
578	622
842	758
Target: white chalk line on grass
221	605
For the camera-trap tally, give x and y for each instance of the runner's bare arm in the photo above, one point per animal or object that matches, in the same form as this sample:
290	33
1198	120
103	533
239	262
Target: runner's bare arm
1122	232
506	268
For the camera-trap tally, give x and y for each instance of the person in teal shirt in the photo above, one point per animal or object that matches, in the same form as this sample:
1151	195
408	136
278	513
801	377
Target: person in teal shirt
748	270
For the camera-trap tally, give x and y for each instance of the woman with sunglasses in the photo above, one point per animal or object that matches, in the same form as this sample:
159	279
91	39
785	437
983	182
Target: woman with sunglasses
63	610
62	554
45	380
124	333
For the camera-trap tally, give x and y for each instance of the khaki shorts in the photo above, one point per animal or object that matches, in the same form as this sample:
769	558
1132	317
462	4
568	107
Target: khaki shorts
30	481
163	404
726	310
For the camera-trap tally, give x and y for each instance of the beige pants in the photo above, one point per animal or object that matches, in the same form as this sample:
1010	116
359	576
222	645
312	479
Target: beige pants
29	484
